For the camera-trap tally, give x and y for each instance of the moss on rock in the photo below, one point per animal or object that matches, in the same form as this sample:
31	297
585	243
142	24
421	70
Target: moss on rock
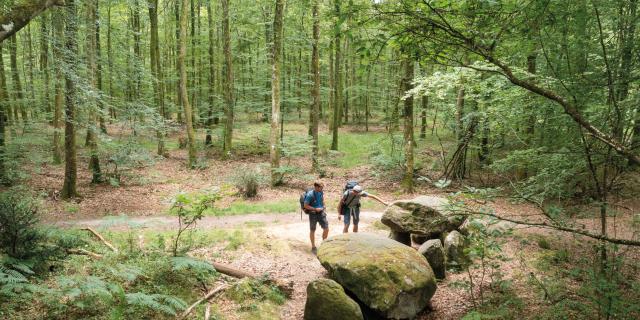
387	276
326	300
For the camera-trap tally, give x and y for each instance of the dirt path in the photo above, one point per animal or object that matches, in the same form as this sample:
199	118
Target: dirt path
295	262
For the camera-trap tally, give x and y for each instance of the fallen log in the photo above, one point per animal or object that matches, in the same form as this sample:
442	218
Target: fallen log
205	298
99	236
285	286
84	252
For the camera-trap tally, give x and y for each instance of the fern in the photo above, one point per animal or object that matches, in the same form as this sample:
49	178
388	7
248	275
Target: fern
191	264
156	302
126	272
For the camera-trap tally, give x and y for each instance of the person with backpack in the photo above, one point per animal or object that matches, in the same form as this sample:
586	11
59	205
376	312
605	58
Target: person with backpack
313	206
349	205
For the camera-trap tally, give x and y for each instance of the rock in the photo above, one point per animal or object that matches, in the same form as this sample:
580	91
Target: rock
402	237
433	251
392	279
419	239
454	244
326	300
424	215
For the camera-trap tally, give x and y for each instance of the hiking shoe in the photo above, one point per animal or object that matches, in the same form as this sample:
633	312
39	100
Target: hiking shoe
314	250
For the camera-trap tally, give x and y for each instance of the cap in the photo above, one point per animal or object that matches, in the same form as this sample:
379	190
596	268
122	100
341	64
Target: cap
357	189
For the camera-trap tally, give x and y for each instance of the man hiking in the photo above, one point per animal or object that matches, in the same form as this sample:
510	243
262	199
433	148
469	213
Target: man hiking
314	206
349	206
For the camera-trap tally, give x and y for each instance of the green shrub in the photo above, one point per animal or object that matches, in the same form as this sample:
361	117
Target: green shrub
248	181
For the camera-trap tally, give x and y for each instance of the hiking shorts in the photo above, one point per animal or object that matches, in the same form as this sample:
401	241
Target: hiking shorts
318	218
351	212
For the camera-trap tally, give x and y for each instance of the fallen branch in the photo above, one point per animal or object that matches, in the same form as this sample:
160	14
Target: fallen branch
84	252
205	298
285	286
99	236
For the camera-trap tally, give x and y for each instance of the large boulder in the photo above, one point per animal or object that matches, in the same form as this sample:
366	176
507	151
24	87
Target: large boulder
454	244
390	278
424	215
326	300
433	251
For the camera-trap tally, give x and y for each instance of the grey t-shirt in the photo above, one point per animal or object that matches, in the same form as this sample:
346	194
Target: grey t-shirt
351	199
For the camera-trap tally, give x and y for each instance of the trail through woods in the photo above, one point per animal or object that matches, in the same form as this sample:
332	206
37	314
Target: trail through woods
290	257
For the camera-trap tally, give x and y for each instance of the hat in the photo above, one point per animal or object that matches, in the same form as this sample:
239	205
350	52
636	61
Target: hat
357	189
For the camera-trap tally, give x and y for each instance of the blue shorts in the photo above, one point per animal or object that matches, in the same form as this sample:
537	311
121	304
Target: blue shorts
348	212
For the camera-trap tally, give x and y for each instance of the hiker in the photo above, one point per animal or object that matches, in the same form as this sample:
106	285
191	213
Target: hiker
314	206
349	206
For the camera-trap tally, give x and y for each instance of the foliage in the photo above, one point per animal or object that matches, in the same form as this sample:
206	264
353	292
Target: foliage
189	209
390	160
248	181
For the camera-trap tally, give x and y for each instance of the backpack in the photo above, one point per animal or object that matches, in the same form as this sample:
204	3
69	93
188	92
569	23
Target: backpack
348	187
302	196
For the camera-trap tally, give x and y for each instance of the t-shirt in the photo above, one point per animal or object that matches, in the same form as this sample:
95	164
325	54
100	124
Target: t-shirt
351	199
309	199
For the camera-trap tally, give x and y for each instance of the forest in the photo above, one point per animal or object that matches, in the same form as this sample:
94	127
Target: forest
172	159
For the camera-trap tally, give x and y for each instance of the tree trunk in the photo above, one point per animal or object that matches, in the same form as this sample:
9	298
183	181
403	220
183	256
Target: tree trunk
156	72
183	85
70	58
315	90
101	107
92	134
44	64
212	75
4	98
337	103
58	29
19	101
229	94
407	180
274	153
423	117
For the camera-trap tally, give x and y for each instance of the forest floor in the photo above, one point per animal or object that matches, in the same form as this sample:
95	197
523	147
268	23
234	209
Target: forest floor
275	238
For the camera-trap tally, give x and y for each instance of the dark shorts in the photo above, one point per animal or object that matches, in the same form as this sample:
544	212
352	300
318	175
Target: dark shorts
315	218
348	213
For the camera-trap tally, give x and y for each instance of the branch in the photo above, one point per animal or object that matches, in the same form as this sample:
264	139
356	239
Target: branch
106	243
545	225
207	297
84	252
20	15
285	286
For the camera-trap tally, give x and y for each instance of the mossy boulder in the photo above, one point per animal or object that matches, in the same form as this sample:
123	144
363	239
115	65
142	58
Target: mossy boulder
433	251
454	244
392	279
425	215
326	300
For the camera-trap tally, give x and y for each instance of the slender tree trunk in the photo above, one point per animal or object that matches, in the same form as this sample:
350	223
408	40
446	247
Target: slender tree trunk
44	63
228	79
30	63
176	9
17	85
70	58
337	104
58	26
274	153
183	85
407	180
156	72
101	106
112	111
92	134
423	117
212	74
315	90
4	99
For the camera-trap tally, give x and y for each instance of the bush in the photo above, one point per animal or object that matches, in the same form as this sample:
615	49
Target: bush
19	236
248	181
